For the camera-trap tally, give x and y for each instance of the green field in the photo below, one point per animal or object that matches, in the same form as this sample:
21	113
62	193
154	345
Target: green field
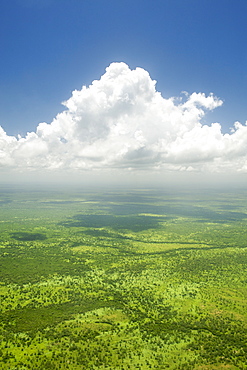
137	279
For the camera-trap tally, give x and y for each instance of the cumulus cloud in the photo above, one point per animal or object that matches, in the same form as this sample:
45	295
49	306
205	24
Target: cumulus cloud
121	121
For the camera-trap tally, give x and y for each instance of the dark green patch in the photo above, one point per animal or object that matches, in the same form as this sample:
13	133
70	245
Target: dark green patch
34	319
32	265
133	223
24	236
5	201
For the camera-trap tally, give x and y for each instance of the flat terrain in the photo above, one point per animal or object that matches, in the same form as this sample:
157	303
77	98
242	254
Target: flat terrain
137	279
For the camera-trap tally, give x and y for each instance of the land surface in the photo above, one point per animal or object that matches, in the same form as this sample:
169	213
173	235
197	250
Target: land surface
138	279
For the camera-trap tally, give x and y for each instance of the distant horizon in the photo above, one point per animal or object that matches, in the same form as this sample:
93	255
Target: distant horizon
160	182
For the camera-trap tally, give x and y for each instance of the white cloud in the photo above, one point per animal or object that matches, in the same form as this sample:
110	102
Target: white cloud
121	121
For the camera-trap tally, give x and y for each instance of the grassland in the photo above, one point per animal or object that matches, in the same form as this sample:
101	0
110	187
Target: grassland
138	279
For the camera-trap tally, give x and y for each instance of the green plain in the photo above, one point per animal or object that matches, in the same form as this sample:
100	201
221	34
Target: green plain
113	279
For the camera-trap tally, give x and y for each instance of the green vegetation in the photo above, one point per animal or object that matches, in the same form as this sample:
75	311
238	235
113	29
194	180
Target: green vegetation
123	280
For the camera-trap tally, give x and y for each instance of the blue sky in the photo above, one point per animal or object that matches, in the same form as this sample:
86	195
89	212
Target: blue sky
51	47
120	124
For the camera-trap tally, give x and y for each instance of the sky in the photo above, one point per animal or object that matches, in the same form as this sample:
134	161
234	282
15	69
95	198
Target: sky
123	87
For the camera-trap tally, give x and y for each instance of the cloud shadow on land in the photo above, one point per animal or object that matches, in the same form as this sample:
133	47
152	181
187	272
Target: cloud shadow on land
3	202
129	217
26	237
171	211
204	213
133	223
